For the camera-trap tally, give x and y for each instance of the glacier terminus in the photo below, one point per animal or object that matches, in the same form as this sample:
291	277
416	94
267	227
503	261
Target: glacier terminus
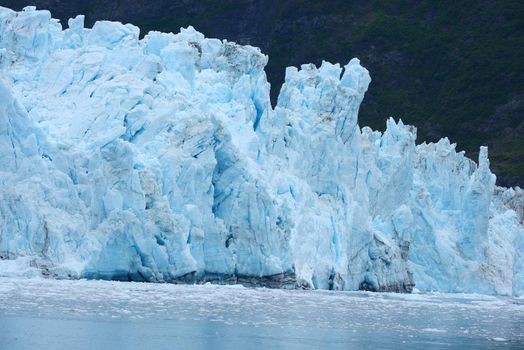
161	159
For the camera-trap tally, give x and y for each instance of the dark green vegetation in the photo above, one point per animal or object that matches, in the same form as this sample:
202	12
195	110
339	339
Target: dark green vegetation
451	68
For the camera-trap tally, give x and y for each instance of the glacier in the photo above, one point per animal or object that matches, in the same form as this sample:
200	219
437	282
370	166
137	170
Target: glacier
161	159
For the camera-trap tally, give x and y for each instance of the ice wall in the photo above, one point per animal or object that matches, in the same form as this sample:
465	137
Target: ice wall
162	160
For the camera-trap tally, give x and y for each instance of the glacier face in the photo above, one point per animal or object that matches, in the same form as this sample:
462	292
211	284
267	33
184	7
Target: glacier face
161	159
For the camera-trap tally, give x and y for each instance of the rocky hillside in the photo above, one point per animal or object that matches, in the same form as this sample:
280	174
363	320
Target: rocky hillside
451	68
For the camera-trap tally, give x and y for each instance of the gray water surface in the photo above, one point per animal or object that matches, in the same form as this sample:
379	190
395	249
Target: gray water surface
47	314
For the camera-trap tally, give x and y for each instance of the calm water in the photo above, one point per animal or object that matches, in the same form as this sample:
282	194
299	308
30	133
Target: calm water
46	314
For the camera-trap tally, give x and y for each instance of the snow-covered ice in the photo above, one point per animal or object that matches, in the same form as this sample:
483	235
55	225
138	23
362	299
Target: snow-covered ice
161	159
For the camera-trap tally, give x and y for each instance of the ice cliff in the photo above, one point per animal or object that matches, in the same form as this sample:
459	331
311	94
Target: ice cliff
162	160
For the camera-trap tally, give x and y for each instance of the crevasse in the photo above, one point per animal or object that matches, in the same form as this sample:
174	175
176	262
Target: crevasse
162	160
